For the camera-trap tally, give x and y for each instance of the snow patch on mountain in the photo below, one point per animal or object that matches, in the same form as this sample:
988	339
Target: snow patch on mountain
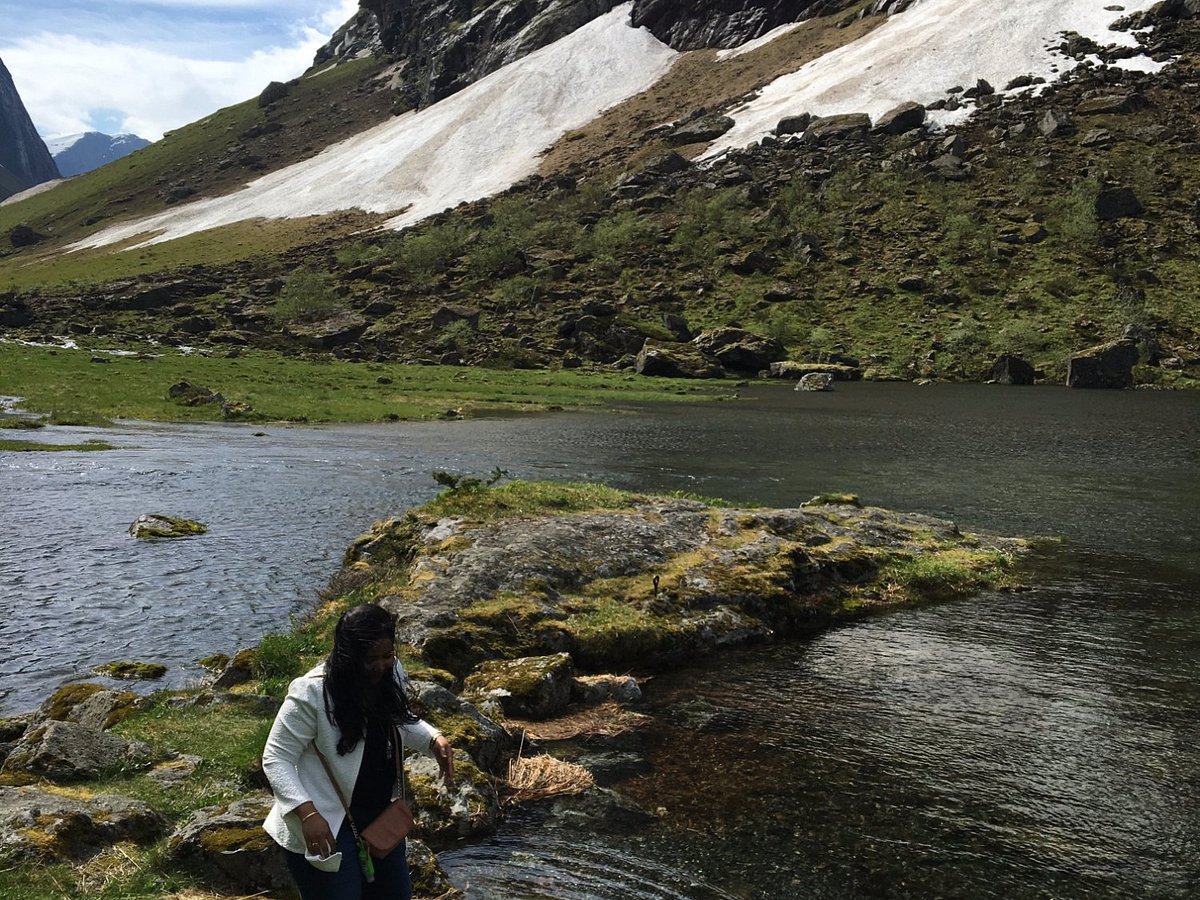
488	136
935	45
474	143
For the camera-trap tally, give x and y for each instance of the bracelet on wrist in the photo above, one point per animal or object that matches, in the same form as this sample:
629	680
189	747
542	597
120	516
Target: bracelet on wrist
309	816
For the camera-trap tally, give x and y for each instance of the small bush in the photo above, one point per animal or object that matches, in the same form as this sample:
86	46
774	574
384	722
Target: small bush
1075	215
306	296
614	237
429	254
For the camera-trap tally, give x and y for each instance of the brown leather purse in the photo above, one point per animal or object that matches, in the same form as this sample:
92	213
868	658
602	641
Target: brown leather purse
391	826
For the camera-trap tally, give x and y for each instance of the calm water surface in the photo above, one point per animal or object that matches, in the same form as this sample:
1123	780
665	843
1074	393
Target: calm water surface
1039	745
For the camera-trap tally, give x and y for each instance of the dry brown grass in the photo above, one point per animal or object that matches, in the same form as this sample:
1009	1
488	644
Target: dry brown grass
604	720
535	777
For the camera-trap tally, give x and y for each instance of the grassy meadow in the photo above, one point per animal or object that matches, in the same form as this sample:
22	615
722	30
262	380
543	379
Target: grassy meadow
87	388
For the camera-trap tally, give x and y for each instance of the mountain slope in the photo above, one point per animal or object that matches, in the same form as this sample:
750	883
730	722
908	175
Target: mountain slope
75	154
431	159
1061	213
23	156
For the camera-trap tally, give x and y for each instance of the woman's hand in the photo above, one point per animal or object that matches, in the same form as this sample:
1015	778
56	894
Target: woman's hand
318	839
445	758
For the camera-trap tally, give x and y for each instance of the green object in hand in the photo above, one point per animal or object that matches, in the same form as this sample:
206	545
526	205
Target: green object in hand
364	860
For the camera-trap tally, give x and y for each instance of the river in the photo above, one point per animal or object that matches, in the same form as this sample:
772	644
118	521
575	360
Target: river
1039	744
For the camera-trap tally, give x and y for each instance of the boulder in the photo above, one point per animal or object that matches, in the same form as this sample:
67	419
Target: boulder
595	689
188	394
815	381
700	130
227	847
752	262
832	128
237	671
69	751
153	526
899	119
487	742
451	313
1117	203
1105	366
534	687
793	124
675	360
739	350
1053	123
104	709
35	822
1010	369
23	236
335	331
273	93
1108	104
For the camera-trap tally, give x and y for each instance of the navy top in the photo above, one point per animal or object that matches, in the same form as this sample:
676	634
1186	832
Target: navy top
376	776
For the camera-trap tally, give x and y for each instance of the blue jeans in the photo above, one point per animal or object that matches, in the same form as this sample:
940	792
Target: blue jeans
392	881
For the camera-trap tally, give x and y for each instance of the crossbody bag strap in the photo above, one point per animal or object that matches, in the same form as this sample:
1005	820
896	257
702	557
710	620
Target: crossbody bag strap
338	790
399	762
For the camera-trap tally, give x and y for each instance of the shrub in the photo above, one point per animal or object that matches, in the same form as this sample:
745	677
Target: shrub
1075	215
613	237
427	255
306	296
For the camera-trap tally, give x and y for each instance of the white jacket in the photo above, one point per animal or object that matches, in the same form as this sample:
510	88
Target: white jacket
294	770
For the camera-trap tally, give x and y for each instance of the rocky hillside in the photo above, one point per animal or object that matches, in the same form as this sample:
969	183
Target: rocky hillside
24	159
1017	222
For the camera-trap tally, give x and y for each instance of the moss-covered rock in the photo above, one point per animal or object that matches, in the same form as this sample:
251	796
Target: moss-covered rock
59	704
536	687
50	824
649	579
154	526
130	670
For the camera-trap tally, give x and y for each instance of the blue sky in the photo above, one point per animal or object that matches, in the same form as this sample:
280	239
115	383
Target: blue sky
148	66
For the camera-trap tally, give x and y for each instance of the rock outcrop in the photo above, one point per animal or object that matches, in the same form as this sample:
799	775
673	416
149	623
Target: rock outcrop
46	824
658	580
24	159
725	23
1106	366
446	46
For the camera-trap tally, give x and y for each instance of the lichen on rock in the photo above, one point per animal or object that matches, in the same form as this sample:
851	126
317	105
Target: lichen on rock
653	579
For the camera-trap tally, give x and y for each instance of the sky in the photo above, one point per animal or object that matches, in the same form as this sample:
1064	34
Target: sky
148	66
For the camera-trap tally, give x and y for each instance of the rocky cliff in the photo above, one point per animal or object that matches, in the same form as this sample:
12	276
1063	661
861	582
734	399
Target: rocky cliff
723	23
24	159
444	46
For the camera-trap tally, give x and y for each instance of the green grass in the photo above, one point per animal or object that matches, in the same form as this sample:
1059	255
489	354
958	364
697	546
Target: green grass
19	446
69	387
526	498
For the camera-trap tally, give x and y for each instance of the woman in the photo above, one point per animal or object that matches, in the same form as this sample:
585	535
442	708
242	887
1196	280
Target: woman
344	708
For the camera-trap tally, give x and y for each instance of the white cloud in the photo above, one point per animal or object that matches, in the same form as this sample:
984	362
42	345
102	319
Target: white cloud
161	73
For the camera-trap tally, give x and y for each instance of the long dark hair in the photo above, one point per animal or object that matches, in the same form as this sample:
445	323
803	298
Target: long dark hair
350	699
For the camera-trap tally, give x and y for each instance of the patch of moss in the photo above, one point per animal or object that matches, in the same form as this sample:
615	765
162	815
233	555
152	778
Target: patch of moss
232	839
214	662
131	670
66	698
834	499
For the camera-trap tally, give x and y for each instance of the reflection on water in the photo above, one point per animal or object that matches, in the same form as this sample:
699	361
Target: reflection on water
1029	745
